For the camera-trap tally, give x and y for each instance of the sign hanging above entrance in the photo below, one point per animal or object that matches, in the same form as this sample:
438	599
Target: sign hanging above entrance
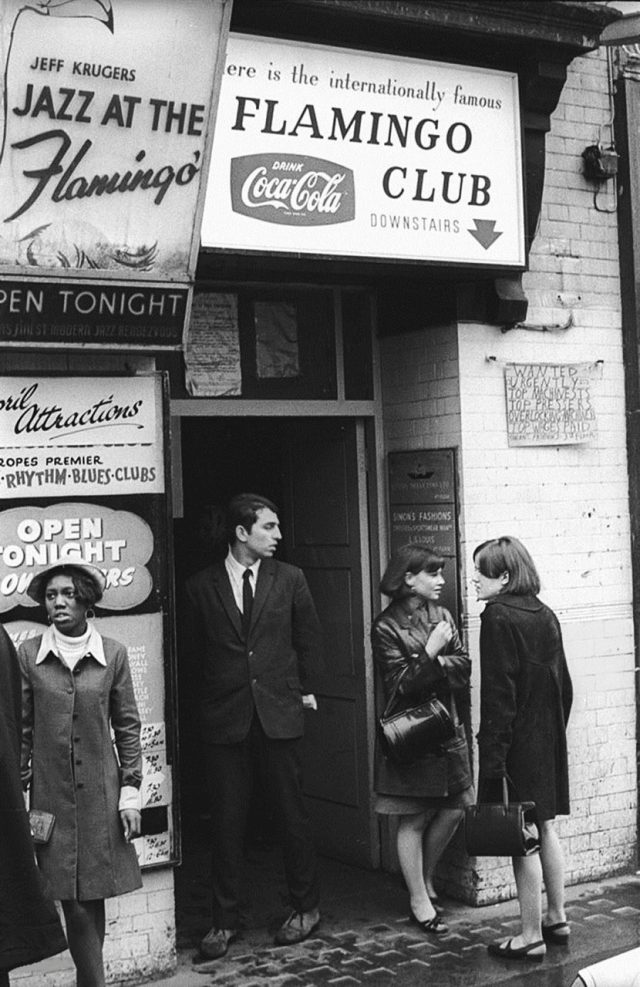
329	151
106	117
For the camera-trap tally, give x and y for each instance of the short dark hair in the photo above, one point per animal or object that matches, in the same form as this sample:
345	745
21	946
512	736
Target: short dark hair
243	510
414	558
507	554
87	589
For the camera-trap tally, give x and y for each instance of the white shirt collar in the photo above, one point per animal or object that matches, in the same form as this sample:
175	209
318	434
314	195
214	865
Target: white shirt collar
237	568
95	647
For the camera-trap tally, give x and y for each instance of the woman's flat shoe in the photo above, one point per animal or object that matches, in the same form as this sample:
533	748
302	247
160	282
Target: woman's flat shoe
557	934
435	924
535	951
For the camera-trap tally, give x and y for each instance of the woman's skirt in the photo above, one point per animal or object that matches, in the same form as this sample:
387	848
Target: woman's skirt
408	805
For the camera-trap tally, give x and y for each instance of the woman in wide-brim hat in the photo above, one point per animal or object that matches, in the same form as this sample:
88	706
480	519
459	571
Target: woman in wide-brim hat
77	689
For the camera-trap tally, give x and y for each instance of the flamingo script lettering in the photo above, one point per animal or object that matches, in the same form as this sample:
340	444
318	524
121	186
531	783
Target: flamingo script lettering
71	186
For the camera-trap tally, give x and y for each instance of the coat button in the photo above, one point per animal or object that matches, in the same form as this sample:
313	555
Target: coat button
75	716
80	785
79	761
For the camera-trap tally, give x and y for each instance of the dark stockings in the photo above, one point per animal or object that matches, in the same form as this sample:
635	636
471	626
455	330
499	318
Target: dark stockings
85	924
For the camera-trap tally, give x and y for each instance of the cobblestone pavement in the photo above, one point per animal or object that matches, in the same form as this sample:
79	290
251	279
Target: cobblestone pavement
365	937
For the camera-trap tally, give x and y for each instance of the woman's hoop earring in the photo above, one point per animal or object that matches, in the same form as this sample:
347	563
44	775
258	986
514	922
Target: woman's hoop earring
90	614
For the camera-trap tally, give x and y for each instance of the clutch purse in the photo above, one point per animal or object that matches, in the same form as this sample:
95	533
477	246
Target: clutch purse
502	829
411	733
42	824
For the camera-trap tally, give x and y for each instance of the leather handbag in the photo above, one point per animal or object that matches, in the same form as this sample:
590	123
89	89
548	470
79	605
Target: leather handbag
502	829
410	734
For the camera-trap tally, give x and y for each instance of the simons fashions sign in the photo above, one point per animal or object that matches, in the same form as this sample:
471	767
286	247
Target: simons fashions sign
330	151
105	124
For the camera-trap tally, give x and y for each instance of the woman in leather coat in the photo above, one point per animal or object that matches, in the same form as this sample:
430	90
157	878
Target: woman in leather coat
525	699
418	653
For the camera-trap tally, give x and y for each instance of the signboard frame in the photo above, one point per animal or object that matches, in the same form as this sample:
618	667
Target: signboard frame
48	522
424	506
234	207
76	133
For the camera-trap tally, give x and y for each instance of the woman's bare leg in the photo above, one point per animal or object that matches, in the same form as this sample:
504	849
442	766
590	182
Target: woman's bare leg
436	839
528	875
409	843
552	859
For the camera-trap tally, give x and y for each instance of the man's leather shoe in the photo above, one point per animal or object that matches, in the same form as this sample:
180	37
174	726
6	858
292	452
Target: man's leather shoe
216	942
297	928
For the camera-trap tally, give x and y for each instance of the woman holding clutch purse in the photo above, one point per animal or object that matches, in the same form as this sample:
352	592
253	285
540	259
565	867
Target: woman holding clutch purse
417	650
525	699
76	690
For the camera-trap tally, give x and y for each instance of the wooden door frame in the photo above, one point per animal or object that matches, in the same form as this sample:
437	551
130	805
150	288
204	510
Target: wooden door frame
370	511
370	450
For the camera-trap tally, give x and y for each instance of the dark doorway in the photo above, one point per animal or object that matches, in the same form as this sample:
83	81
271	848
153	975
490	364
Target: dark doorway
311	468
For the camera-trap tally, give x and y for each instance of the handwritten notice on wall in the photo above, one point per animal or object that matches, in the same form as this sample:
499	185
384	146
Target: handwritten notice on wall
212	346
549	404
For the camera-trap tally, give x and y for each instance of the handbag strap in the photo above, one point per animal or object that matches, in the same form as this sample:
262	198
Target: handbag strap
454	710
392	697
505	792
506	781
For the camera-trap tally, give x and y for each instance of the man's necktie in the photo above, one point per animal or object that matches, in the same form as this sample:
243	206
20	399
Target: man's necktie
247	601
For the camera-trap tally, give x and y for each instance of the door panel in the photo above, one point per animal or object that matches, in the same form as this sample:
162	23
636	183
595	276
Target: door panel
325	495
333	596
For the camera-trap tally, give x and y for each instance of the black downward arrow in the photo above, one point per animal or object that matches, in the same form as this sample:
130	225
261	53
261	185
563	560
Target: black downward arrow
485	232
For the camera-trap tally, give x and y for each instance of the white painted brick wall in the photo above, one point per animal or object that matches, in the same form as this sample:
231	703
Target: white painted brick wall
569	504
140	939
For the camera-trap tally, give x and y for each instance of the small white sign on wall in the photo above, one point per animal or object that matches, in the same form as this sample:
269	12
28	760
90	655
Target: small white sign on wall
549	404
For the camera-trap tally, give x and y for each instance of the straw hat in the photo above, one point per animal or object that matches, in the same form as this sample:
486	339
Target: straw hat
36	587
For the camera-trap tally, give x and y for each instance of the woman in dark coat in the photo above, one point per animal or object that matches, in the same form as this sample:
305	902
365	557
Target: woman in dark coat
418	653
76	689
526	696
30	928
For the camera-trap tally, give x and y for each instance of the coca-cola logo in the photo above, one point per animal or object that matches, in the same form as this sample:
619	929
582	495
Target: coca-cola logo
292	189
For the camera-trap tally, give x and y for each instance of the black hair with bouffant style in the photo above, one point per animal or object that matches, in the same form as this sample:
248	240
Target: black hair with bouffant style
243	510
506	554
87	589
413	558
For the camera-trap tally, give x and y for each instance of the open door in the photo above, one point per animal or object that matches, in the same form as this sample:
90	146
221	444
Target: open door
324	529
313	468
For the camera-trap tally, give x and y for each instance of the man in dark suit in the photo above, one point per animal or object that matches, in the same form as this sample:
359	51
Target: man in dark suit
256	639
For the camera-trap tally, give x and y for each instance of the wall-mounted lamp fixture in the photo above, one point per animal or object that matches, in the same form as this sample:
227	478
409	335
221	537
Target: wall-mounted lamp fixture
600	163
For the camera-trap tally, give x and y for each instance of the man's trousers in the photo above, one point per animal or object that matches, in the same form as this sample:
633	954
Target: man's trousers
230	771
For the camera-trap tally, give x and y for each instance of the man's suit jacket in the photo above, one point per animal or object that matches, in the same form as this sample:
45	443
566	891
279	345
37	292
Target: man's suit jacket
271	670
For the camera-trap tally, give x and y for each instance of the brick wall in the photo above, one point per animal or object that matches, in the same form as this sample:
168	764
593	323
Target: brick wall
569	504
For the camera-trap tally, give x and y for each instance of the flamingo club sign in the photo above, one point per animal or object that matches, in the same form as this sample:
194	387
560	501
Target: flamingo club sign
338	152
